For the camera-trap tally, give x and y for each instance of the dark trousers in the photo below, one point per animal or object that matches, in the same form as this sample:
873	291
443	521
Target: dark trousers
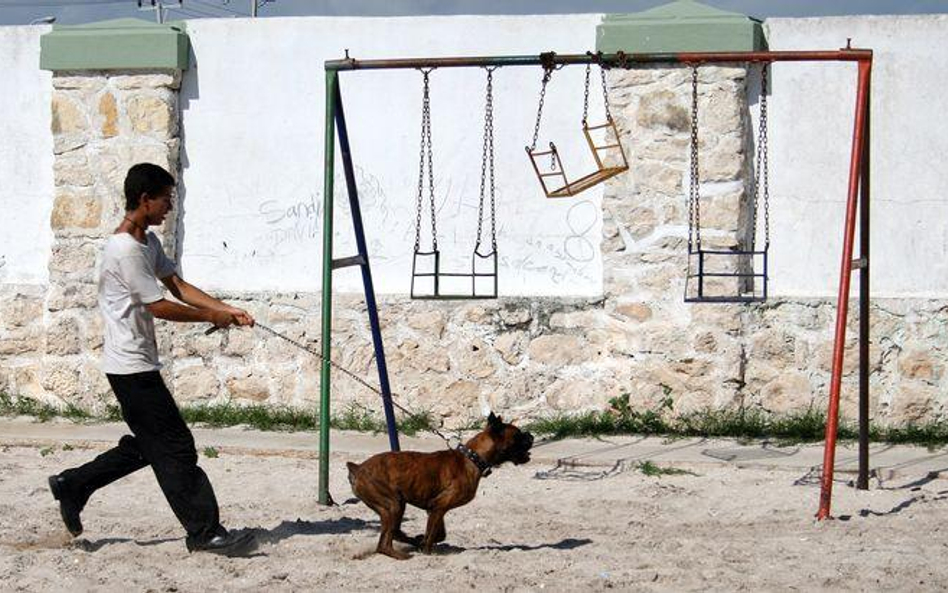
162	440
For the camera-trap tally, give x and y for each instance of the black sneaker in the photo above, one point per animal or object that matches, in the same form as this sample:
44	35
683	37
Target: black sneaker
225	544
69	507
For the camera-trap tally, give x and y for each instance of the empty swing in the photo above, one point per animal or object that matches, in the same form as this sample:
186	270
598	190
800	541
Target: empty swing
556	169
427	283
727	275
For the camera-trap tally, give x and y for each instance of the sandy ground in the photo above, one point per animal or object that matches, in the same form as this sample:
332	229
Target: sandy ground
529	529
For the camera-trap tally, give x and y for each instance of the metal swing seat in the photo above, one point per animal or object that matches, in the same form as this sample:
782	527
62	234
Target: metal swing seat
426	273
728	275
600	153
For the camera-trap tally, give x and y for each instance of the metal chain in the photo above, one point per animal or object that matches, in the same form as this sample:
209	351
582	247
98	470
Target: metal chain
493	203
345	371
694	208
547	73
425	152
586	94
487	160
605	93
763	172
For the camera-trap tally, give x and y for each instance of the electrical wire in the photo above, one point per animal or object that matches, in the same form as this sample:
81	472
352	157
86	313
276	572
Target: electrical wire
59	4
191	12
221	7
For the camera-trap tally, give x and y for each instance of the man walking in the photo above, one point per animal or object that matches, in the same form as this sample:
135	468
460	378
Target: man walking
133	263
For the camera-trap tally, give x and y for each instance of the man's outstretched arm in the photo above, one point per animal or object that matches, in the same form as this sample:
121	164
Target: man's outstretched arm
197	298
172	311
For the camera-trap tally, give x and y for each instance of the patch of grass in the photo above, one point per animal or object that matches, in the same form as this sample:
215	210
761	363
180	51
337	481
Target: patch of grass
741	423
42	411
47	451
931	434
256	416
113	413
650	469
620	418
211	452
415	423
260	417
359	417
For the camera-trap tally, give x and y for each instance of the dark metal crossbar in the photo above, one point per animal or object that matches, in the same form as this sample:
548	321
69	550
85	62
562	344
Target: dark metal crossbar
616	60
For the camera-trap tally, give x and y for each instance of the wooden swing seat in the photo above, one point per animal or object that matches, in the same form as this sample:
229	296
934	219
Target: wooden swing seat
601	174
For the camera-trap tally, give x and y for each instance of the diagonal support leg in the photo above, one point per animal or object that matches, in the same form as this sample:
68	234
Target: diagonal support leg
366	270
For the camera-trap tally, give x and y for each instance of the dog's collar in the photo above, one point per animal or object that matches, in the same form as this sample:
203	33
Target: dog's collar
482	465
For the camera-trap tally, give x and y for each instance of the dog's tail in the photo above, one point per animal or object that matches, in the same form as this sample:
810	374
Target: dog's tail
353	469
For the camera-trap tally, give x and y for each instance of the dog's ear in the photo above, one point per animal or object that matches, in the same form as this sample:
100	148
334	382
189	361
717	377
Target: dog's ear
495	423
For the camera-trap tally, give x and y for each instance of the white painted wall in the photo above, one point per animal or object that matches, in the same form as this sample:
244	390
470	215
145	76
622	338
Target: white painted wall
811	115
26	158
253	117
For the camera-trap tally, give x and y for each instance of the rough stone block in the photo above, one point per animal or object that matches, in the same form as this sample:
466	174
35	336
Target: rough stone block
68	116
73	257
150	116
71	296
157	80
108	111
920	362
22	341
61	379
556	350
510	345
634	310
20	311
474	359
249	387
72	169
663	109
787	392
62	336
429	323
198	382
75	209
83	82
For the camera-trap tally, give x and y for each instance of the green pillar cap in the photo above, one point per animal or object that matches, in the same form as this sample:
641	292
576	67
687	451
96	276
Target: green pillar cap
119	44
682	26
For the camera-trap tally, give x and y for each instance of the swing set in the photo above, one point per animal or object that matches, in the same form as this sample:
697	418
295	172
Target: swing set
704	279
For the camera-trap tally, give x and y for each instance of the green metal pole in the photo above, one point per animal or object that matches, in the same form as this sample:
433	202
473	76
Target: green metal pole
329	158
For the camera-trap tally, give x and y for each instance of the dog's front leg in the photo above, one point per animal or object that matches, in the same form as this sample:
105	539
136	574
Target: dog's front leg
435	531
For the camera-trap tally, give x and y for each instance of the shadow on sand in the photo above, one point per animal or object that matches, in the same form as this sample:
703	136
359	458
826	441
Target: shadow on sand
566	544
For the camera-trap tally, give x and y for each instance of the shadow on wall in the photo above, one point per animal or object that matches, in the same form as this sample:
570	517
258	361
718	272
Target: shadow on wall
189	91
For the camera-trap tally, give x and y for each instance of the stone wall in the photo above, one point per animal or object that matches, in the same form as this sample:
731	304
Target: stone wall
102	123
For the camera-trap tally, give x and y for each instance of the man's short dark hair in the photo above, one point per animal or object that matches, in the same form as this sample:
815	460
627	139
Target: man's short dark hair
145	178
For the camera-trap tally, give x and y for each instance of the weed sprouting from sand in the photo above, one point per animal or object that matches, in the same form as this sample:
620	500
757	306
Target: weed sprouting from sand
650	469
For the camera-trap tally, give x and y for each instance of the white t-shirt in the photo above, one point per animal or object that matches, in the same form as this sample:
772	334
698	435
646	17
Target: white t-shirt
128	280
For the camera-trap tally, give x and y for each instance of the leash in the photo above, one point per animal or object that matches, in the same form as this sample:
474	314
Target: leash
339	367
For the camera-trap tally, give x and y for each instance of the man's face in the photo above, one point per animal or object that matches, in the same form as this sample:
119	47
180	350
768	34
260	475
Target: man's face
158	206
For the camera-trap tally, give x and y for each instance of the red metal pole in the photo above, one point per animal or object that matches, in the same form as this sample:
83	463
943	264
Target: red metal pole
845	276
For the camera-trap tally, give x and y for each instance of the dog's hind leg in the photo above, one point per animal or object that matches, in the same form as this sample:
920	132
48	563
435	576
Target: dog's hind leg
391	516
401	536
435	531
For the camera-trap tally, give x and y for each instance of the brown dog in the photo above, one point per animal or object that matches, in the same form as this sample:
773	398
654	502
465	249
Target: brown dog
436	482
